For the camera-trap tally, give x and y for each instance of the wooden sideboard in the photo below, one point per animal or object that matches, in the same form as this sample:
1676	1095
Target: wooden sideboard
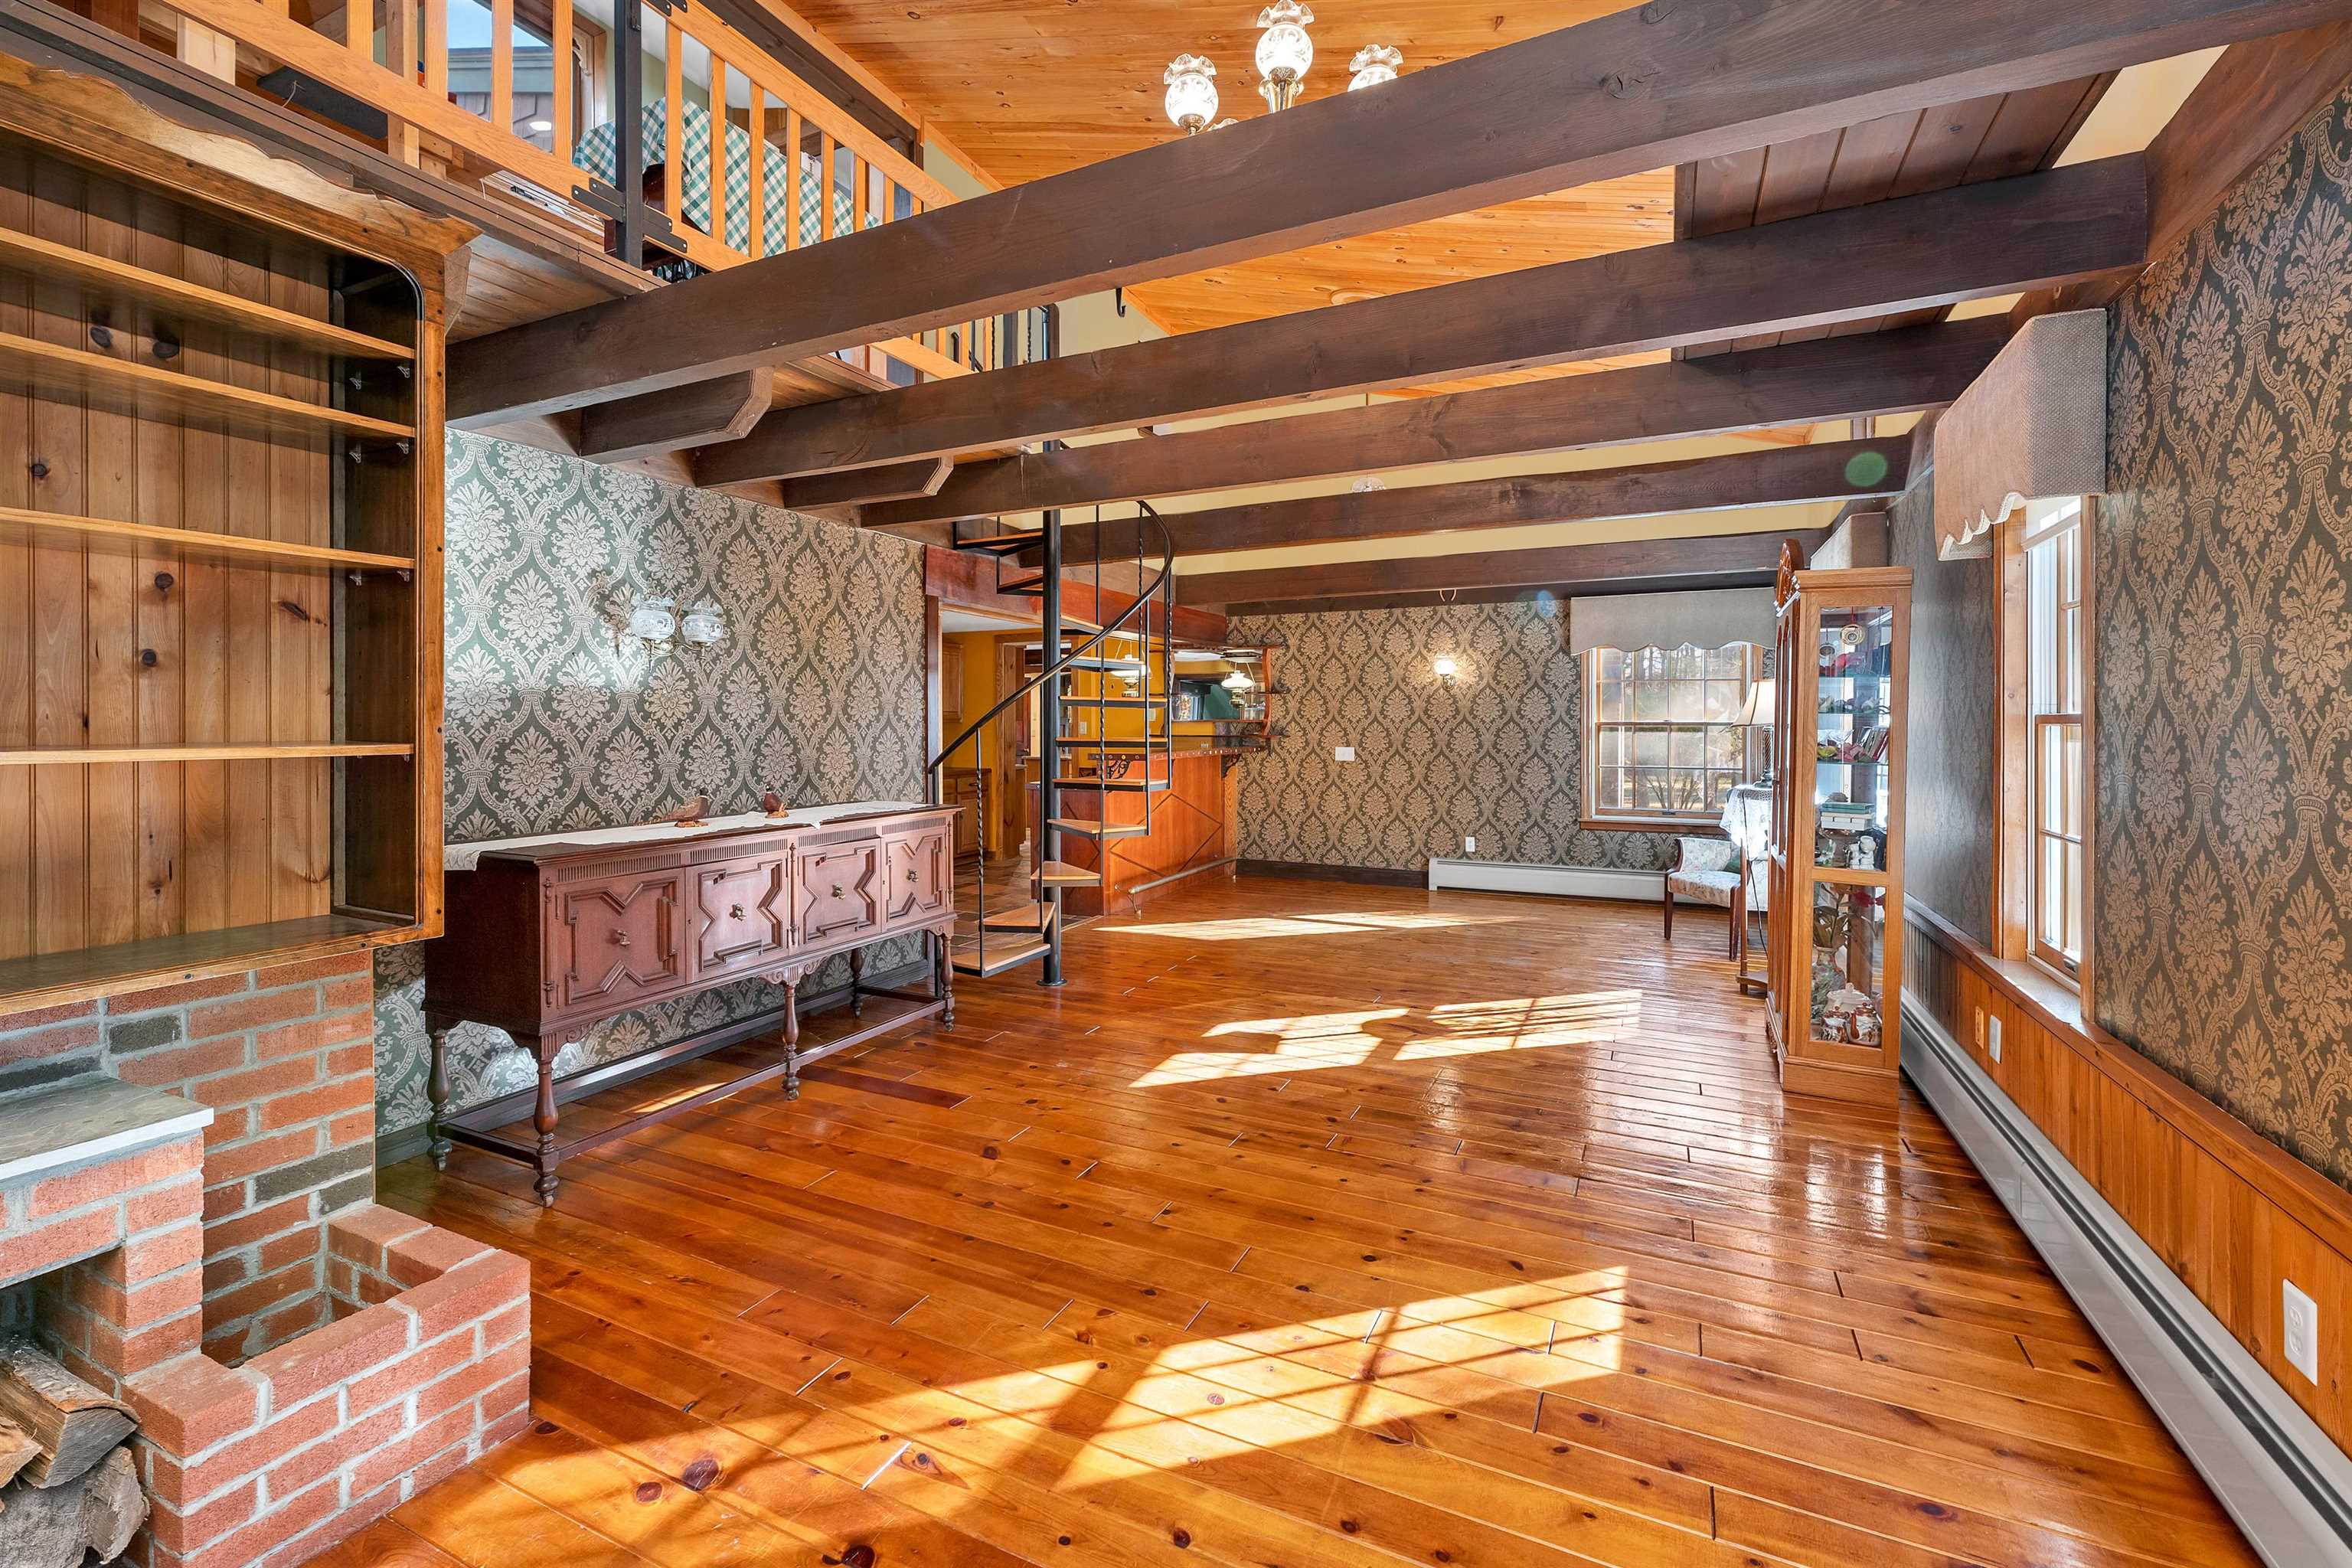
547	938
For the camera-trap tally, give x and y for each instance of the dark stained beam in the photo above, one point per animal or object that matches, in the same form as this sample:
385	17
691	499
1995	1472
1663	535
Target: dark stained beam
1729	559
1667	82
720	409
1778	476
2034	231
854	487
1796	383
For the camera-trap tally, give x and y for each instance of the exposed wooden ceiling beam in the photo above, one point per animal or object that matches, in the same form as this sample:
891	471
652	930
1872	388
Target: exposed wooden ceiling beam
1797	383
2037	230
1663	83
1781	475
853	486
720	409
1715	560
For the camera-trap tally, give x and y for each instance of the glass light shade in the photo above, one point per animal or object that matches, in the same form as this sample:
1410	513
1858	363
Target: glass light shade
1237	681
1762	700
1191	100
1284	50
703	624
1443	668
653	620
1375	63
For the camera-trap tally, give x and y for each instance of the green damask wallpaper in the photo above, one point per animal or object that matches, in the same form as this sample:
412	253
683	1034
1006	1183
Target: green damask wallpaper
2224	696
555	721
1949	802
1497	754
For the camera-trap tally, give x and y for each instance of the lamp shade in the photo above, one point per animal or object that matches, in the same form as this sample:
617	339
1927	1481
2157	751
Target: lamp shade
1375	63
1284	50
1763	701
1191	100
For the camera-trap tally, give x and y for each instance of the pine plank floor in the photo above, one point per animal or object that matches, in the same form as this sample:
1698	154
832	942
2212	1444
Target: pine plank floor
1310	1224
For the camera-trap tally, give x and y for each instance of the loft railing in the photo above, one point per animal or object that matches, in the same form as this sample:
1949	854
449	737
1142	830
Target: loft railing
605	115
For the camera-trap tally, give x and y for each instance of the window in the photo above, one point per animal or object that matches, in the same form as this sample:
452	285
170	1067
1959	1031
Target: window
1664	743
2056	863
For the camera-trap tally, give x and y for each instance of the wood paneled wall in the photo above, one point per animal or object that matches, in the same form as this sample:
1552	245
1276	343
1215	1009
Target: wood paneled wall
2228	1213
121	647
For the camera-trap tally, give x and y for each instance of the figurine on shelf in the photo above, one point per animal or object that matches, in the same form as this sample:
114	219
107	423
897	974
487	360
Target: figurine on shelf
1839	1012
1864	856
1866	1027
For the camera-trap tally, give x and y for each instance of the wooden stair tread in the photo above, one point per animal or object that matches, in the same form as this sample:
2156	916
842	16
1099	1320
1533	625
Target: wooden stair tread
1111	783
1061	874
1030	917
999	957
1099	830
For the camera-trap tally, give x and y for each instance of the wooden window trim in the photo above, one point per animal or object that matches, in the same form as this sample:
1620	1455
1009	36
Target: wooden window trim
2017	832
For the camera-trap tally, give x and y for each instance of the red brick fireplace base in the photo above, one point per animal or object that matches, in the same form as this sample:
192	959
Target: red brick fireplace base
419	1364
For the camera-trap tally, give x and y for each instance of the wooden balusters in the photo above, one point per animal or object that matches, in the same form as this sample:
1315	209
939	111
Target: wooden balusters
755	243
502	64
827	184
719	137
564	112
793	133
673	126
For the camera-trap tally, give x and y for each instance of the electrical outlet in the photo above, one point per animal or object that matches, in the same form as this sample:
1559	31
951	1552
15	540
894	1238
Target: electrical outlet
1343	754
2301	1330
1469	844
1993	1036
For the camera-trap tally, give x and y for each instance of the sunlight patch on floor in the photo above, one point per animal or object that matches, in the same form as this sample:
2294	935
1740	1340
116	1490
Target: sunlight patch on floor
1257	927
1300	1045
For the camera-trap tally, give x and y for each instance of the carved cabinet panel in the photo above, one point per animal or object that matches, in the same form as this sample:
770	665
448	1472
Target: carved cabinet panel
742	914
840	894
617	939
916	868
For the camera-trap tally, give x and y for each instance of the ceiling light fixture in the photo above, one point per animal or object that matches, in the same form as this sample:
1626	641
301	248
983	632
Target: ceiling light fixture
1375	63
1191	100
1284	52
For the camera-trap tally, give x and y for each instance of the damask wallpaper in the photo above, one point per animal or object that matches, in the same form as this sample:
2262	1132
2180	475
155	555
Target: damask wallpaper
557	720
1496	753
2224	654
1949	803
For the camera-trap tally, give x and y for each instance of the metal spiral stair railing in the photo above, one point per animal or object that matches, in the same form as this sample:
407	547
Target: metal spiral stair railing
1034	927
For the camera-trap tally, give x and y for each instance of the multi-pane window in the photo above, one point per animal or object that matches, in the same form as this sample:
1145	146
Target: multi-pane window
1664	740
2054	752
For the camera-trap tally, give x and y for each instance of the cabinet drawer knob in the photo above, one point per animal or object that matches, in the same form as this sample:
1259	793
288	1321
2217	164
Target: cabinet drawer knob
836	889
620	939
735	911
910	876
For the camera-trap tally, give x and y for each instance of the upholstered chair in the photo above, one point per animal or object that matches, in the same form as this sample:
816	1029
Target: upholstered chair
1705	872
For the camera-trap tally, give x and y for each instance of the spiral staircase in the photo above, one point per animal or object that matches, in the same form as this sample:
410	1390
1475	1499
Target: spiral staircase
1079	769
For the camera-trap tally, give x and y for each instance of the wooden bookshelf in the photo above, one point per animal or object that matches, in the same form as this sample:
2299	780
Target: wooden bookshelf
220	568
96	533
155	306
102	382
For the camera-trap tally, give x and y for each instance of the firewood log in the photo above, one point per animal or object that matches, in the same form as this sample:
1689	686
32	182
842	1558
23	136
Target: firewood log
74	1423
17	1449
59	1526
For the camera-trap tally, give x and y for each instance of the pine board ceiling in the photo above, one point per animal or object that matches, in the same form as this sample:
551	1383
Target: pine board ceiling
1030	87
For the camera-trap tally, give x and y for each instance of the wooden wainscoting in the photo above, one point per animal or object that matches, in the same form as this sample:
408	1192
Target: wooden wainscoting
2230	1213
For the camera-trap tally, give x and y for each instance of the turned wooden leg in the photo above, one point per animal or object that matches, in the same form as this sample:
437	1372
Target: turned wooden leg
543	1119
944	982
1738	938
437	1092
1670	914
791	1040
856	979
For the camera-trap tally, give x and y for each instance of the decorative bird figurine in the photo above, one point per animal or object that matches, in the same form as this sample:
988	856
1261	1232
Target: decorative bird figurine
772	802
692	812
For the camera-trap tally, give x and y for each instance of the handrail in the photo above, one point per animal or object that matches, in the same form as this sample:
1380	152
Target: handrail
1142	598
1049	749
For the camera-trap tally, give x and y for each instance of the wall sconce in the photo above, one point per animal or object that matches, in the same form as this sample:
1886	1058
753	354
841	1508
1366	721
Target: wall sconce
703	625
1445	669
654	620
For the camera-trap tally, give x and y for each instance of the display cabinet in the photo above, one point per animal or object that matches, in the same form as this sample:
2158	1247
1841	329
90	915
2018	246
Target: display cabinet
1836	926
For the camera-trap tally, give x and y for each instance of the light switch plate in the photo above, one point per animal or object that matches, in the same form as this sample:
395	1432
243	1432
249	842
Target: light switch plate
1343	754
1469	844
1992	1036
2300	1330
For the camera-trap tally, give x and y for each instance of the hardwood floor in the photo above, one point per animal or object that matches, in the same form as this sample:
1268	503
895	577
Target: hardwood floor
1312	1225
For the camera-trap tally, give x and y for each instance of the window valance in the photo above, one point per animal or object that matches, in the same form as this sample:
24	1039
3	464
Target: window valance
1704	618
2032	426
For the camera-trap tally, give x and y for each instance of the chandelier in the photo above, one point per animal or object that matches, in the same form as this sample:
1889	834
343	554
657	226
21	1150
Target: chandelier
1285	53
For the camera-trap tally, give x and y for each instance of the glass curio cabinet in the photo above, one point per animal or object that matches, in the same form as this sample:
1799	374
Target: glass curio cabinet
1836	947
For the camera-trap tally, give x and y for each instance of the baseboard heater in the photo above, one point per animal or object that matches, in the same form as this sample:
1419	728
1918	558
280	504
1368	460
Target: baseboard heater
2284	1483
1562	882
